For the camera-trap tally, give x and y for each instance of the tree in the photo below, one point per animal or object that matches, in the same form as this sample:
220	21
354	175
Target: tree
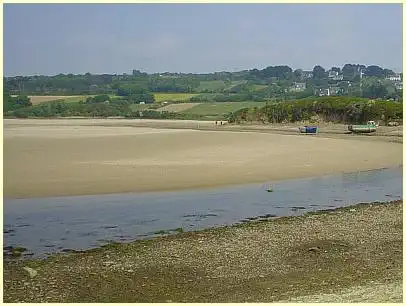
388	72
350	70
374	91
298	74
374	71
336	69
319	72
98	99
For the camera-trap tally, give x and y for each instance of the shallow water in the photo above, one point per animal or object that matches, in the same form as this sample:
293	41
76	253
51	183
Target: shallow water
49	225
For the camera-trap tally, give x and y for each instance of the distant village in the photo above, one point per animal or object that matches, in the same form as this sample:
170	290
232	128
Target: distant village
342	86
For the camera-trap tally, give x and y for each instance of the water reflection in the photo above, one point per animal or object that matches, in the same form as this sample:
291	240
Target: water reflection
53	224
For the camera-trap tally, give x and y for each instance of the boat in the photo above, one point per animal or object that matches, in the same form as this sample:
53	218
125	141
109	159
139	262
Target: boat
370	127
308	129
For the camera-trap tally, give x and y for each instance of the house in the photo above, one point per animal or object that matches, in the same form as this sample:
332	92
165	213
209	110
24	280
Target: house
399	85
335	75
332	74
330	91
396	77
335	90
298	86
322	92
307	74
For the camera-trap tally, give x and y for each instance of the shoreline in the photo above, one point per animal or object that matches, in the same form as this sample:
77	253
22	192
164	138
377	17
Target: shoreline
208	187
224	258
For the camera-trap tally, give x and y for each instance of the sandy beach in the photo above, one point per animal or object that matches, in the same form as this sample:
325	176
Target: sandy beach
78	157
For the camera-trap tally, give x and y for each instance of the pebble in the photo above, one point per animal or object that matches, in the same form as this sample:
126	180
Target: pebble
31	271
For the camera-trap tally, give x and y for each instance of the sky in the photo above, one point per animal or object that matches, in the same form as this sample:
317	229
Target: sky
48	39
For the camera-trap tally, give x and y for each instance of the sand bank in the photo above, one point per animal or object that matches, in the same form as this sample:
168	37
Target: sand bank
78	157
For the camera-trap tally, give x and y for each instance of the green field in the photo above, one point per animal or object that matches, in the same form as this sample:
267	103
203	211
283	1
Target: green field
211	85
217	85
220	108
75	99
139	107
259	87
235	83
45	99
161	97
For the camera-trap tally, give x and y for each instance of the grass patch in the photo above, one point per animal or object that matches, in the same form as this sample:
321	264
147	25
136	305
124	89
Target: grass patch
69	99
140	107
259	87
211	85
220	108
161	97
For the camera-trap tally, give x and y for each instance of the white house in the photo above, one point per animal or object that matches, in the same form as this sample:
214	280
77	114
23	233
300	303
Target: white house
332	74
399	85
395	77
296	86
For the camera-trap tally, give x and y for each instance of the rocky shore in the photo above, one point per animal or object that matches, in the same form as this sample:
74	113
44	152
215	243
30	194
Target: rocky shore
351	254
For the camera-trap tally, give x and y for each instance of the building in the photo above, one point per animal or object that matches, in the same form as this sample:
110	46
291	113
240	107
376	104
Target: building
332	74
399	85
322	92
335	90
335	75
298	86
330	91
307	74
395	78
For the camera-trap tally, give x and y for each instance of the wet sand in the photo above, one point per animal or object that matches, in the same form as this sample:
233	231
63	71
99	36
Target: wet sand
78	157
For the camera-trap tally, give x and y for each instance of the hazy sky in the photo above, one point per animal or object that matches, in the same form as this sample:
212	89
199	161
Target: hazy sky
115	38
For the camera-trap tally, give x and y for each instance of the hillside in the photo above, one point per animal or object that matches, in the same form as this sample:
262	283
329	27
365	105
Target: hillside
268	84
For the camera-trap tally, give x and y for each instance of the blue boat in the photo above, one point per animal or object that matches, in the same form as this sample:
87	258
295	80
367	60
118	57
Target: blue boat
308	129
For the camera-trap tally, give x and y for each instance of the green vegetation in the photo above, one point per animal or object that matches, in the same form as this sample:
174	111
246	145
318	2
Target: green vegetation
268	84
211	86
14	103
352	110
142	107
333	109
182	97
74	99
290	95
215	109
257	87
